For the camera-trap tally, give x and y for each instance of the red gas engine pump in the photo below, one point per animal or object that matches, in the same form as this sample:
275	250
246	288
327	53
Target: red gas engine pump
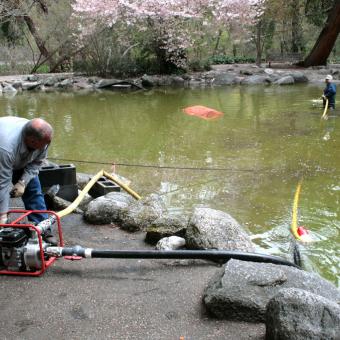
22	248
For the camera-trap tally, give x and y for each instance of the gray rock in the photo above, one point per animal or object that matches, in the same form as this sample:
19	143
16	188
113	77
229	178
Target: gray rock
195	82
66	83
140	214
286	80
82	180
163	80
147	81
295	314
30	85
83	205
32	78
57	203
299	77
165	226
214	229
242	290
9	89
256	79
107	209
269	71
102	83
177	81
50	81
224	79
238	80
82	85
246	72
170	243
17	84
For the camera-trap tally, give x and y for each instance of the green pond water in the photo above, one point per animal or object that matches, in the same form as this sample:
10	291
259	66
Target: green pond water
268	139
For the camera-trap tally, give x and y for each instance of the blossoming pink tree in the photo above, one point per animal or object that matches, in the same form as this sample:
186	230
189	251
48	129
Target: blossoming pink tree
172	25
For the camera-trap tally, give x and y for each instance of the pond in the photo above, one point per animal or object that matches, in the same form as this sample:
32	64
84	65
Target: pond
247	162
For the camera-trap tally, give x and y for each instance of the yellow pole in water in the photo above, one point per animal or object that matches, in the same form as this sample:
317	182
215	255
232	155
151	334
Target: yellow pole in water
324	115
294	226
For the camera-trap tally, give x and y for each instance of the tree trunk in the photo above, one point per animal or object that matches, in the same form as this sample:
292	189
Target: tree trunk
297	45
326	40
258	43
40	43
217	42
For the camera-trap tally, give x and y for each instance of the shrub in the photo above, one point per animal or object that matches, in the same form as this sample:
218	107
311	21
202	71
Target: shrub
225	59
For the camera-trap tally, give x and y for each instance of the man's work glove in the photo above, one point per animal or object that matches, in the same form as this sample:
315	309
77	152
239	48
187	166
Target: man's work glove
3	218
18	189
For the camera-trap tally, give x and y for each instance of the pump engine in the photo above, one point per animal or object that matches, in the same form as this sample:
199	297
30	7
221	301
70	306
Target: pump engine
22	249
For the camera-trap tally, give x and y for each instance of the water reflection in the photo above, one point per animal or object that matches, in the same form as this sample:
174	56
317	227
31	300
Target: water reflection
267	140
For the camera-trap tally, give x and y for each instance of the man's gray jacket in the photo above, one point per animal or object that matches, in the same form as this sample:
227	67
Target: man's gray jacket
14	155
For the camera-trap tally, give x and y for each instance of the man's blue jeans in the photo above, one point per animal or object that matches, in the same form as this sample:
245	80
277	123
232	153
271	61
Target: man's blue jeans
33	197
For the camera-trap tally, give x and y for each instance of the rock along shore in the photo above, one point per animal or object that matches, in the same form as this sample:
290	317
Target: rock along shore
220	75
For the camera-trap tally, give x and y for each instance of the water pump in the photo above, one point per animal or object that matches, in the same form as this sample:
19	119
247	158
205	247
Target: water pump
23	251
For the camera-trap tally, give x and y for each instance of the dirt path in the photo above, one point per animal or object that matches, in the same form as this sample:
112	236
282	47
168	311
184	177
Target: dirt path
113	299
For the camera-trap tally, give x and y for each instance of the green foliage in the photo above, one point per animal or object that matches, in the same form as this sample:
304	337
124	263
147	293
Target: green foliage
200	65
334	60
316	11
43	69
225	59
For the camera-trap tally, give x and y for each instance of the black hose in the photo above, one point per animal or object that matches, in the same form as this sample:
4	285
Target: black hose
213	255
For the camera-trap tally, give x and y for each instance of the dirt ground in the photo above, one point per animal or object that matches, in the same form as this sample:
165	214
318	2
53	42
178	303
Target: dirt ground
114	298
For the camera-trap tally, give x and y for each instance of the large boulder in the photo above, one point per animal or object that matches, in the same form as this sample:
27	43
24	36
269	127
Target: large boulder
140	214
299	77
295	314
104	83
8	89
165	226
242	290
224	79
214	229
256	80
286	80
30	85
108	209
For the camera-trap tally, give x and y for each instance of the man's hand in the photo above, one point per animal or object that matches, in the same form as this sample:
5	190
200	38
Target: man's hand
3	218
18	189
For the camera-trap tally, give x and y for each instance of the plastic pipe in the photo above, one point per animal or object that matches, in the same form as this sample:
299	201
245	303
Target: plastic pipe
213	255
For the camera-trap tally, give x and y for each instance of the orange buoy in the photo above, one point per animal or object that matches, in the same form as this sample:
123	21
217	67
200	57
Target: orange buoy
202	112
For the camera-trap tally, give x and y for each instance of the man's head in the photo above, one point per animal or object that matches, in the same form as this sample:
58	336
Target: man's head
328	78
37	133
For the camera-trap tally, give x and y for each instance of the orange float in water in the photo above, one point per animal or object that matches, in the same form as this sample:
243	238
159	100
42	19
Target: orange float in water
202	112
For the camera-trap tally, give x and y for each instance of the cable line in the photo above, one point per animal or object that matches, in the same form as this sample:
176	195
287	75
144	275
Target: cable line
156	166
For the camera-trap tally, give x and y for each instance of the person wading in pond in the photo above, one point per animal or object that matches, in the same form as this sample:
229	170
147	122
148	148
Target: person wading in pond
329	93
23	147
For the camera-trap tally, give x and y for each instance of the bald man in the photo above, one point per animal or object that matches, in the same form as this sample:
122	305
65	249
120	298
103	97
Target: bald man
23	147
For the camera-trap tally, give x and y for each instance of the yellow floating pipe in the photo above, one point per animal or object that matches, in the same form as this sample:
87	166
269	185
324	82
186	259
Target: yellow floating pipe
80	197
324	115
122	185
294	226
87	188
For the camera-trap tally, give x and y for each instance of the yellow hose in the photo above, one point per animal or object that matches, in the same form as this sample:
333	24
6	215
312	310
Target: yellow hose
294	225
122	185
87	188
324	115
